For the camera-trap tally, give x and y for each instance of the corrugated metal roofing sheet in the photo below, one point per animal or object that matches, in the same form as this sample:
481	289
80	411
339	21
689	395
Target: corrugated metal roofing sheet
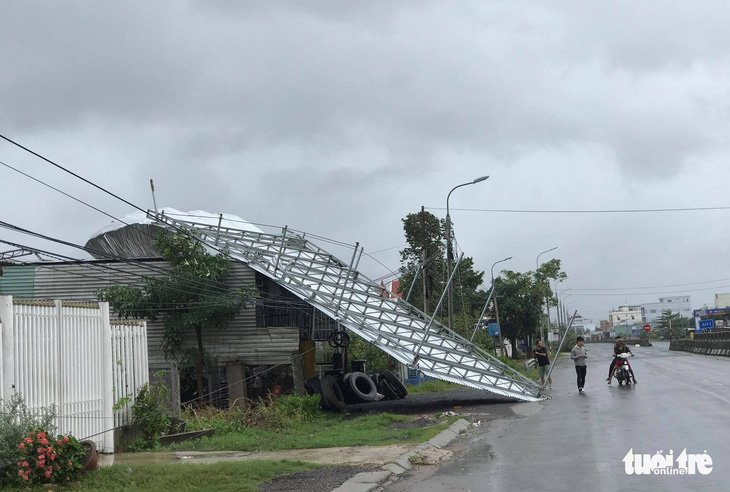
17	281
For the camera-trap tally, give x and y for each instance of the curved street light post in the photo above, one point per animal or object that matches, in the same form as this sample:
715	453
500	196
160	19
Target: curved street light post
547	304
449	252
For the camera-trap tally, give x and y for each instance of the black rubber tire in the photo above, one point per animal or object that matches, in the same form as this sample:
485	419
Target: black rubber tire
332	394
361	386
395	383
323	404
387	390
313	386
375	379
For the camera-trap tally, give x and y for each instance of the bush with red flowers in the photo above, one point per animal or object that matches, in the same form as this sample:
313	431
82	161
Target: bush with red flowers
47	460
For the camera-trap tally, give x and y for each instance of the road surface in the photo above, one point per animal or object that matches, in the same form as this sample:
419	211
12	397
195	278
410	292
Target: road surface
578	441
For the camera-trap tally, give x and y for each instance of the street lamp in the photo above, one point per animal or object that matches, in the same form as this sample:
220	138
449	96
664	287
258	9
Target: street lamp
496	309
562	317
547	305
449	252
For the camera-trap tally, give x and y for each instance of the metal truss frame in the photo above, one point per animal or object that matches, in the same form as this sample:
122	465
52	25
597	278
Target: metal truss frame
338	290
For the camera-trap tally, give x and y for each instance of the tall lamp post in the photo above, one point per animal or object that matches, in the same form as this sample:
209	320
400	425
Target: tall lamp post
449	252
547	305
496	309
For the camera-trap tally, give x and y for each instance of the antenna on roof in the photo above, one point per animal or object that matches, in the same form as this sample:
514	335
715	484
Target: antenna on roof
152	186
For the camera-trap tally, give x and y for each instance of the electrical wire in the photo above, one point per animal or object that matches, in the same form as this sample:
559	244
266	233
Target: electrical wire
609	211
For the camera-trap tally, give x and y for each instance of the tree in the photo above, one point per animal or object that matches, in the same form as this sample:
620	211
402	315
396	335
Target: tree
426	237
673	324
521	297
425	234
191	295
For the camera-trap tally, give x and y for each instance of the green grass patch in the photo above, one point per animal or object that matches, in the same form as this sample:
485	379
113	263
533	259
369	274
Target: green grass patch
433	386
244	476
519	366
324	431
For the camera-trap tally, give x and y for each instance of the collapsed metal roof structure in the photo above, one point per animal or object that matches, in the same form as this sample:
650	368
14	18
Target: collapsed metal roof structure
362	306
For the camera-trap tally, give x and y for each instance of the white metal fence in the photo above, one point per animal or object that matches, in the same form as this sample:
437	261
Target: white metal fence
69	355
129	357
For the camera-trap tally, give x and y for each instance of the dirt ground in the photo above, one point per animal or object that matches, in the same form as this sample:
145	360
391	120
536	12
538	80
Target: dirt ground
477	406
317	480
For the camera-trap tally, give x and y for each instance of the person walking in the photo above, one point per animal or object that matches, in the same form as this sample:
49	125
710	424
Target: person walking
543	363
579	356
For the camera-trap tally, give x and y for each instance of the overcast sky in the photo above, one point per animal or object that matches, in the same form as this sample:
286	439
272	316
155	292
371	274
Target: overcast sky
340	118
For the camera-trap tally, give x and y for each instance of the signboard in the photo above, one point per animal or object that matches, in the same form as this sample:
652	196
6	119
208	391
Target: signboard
710	312
707	324
647	328
493	329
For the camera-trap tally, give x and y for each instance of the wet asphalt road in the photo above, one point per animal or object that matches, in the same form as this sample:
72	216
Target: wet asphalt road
577	441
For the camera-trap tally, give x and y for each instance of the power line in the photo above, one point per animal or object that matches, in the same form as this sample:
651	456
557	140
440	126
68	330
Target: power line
610	211
654	286
72	173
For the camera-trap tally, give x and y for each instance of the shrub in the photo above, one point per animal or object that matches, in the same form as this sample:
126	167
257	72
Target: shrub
16	421
44	460
149	411
281	413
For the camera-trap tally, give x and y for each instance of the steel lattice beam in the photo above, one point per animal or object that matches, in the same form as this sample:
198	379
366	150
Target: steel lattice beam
362	306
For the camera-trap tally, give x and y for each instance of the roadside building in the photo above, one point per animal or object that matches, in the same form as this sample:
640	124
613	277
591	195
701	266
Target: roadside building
652	311
625	314
257	345
722	301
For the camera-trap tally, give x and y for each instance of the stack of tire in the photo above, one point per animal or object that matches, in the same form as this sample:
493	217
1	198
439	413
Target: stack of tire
337	390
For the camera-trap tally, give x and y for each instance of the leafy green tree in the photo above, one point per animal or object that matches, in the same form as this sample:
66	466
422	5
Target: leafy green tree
425	235
673	324
521	297
426	238
190	296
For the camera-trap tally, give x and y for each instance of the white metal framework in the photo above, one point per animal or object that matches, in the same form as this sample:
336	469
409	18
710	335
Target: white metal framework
364	307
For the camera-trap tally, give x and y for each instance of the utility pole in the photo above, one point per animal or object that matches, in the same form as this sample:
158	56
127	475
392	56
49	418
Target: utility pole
423	259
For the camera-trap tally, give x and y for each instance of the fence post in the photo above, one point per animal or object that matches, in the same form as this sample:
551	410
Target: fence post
107	383
7	344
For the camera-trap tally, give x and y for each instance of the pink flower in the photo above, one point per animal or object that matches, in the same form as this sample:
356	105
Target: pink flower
25	464
44	442
20	473
53	456
60	442
70	464
65	438
68	478
48	474
39	450
22	445
25	477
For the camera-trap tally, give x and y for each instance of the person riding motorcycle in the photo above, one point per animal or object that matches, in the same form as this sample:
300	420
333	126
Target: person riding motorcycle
615	358
621	348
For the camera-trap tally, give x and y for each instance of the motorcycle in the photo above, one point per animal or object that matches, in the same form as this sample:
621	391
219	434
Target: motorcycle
622	373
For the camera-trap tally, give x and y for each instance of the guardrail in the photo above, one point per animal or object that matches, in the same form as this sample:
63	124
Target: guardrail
714	343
